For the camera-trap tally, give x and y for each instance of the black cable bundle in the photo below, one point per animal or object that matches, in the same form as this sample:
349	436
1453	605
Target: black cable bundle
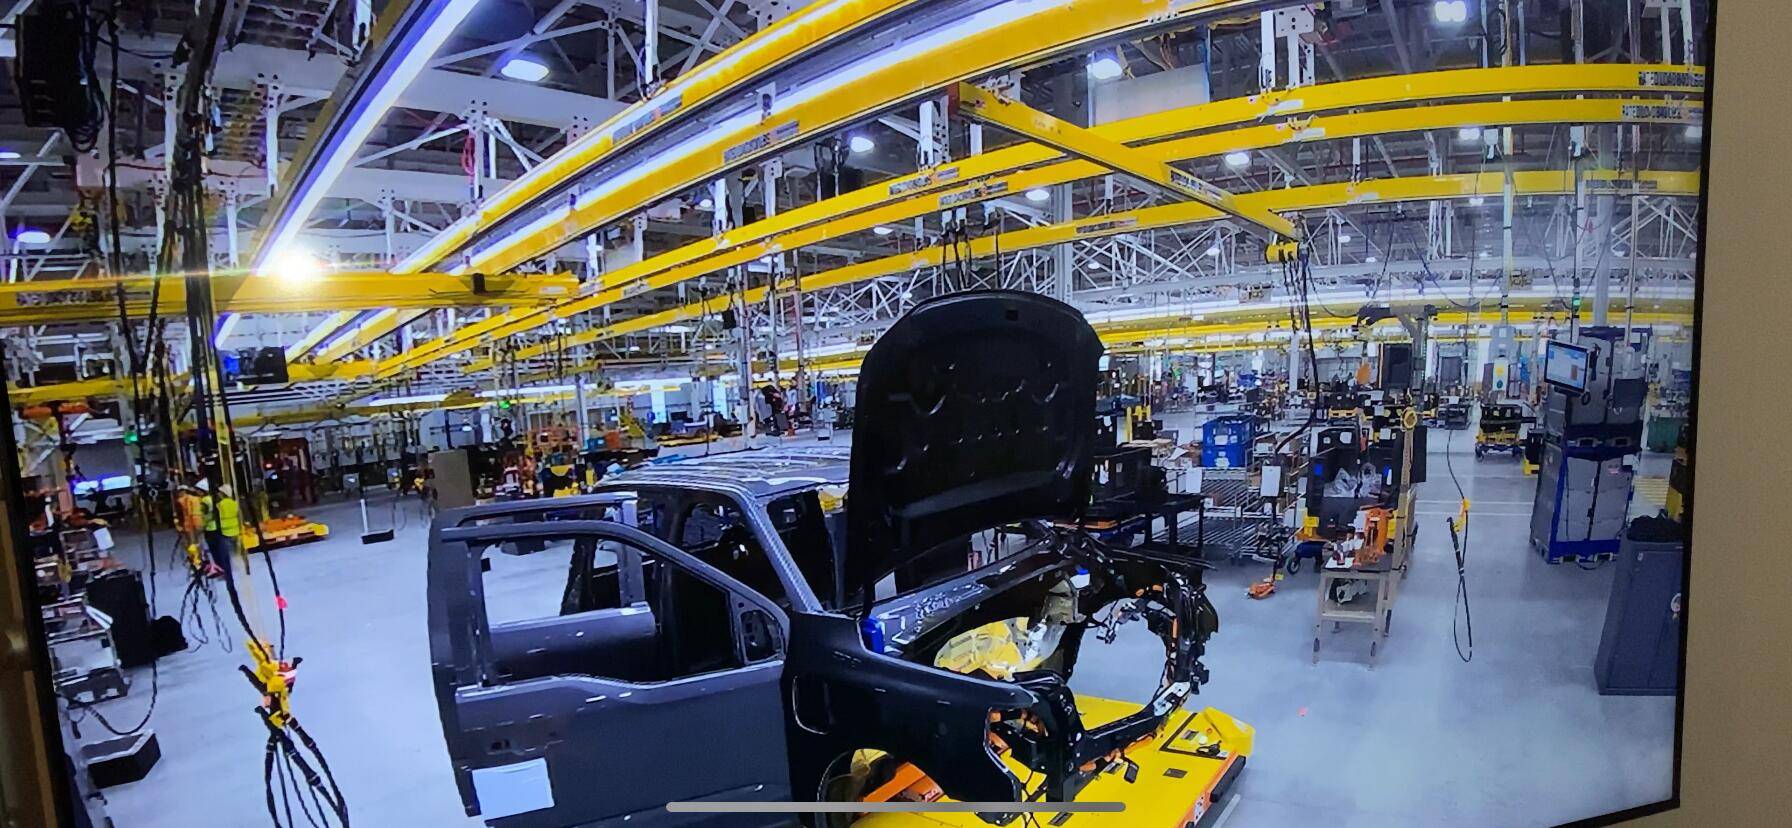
293	759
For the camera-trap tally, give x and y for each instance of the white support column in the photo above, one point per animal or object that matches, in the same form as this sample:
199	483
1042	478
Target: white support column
594	257
170	123
477	129
1063	255
650	57
1266	60
363	28
769	173
390	213
231	202
270	139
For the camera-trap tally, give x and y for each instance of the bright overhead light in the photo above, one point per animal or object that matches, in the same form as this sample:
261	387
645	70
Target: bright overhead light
1344	238
1468	133
633	348
908	294
1450	11
1370	259
1105	66
1038	194
882	230
706	204
1238	159
1214	250
861	144
10	155
524	69
1476	201
293	266
29	236
1693	133
678	329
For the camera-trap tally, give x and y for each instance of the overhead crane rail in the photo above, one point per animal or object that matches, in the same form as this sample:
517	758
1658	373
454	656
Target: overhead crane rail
42	301
1319	196
1016	169
992	38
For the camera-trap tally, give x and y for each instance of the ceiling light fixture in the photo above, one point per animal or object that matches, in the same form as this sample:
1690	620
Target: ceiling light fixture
861	144
1105	65
1468	133
1214	250
1344	238
294	266
524	69
32	236
881	230
1476	201
1693	133
10	155
1450	11
1038	194
1370	260
1238	159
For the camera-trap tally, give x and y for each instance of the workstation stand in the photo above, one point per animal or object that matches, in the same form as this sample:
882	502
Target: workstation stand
1383	576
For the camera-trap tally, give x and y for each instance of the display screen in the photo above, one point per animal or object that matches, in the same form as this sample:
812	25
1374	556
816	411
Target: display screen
1567	366
898	414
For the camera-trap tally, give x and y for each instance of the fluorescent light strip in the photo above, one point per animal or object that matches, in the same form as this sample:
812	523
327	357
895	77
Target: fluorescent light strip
385	93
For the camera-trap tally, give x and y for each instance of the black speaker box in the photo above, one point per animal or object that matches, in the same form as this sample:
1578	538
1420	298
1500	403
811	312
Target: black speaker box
121	760
119	594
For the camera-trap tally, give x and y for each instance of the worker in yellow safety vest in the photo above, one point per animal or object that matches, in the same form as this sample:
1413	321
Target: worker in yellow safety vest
223	526
189	519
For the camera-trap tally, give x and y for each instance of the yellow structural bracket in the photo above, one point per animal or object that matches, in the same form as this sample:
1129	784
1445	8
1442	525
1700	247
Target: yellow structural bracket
980	104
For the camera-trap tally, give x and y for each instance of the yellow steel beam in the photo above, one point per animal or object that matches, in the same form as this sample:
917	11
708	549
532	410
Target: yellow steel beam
1275	113
82	389
1319	196
980	104
318	334
1034	35
810	27
876	205
805	29
72	300
1134	340
1014	40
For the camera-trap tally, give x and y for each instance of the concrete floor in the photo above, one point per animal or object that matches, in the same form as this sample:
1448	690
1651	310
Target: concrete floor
1516	737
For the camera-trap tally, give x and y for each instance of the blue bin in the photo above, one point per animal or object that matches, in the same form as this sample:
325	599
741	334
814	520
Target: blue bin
1226	442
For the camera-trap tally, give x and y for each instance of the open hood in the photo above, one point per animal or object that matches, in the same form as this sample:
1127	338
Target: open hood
974	410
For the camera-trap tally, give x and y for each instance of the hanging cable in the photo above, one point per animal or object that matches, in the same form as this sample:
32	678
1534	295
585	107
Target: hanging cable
1461	620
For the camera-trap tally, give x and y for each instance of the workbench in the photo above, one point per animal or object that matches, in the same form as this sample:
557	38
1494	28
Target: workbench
1184	776
1383	578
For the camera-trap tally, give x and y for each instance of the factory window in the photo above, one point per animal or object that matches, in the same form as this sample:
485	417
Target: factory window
717	533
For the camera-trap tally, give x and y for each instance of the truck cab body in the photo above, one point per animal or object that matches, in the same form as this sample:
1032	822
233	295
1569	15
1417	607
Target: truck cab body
735	628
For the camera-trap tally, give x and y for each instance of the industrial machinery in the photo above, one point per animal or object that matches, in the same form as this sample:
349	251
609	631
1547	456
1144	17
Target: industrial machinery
1591	423
1500	427
744	594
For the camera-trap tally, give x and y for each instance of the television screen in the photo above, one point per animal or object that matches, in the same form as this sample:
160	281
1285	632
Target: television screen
1172	351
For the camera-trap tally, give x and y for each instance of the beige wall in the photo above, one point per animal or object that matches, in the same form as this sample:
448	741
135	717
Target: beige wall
1737	760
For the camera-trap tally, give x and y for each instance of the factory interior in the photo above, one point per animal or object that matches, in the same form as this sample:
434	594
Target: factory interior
393	382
